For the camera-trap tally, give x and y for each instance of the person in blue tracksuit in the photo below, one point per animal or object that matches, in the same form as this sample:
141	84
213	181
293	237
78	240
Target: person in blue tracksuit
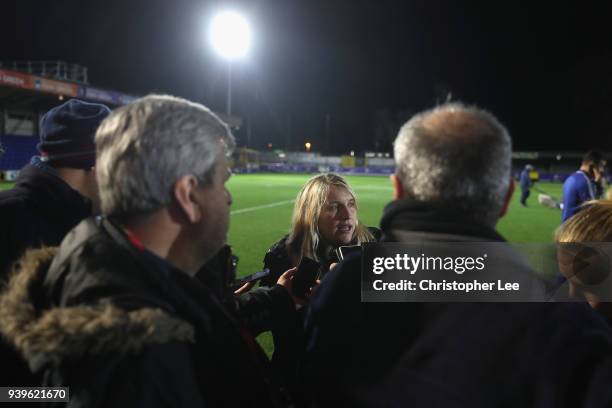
526	183
583	185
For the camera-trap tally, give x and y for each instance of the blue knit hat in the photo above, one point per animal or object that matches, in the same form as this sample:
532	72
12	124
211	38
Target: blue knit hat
67	134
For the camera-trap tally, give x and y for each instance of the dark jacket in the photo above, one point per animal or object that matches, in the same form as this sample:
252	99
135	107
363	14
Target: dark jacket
278	261
122	327
450	354
260	309
39	210
525	180
288	336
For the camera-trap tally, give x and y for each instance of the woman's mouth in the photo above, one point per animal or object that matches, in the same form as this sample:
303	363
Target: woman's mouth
344	228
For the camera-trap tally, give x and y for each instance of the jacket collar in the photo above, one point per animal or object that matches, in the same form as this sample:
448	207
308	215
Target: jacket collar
44	332
416	216
44	181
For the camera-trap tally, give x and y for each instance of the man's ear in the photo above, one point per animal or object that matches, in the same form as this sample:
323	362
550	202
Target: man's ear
185	193
509	193
398	189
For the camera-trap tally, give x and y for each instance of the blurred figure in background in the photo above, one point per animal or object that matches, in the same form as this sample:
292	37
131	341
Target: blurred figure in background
58	188
583	185
526	183
52	194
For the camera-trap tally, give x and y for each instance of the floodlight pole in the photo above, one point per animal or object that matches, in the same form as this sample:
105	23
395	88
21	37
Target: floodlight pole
228	110
327	120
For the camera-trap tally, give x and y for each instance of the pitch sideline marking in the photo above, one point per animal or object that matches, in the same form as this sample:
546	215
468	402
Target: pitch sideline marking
261	207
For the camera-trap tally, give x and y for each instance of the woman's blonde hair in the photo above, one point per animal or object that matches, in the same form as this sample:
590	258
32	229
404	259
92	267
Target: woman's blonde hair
304	239
593	223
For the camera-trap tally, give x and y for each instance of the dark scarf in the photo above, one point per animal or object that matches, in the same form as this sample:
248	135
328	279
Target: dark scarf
44	181
411	215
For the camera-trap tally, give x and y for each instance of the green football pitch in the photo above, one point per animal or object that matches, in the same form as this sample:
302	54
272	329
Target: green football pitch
263	203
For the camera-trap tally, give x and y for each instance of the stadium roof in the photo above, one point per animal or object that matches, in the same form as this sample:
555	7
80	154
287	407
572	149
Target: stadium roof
26	91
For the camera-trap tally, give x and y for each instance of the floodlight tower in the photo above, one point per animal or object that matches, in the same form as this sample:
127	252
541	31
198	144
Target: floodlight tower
230	36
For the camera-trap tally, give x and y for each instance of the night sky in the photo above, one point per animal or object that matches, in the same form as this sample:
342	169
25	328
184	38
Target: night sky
345	74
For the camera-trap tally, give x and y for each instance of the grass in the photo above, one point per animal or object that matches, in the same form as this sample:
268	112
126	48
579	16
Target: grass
253	231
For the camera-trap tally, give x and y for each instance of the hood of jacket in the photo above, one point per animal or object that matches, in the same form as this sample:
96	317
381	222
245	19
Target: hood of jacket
43	332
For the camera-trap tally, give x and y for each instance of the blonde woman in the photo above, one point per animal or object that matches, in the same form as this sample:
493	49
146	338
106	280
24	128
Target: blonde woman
324	218
587	271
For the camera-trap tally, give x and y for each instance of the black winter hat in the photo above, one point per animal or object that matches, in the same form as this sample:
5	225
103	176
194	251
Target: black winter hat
67	134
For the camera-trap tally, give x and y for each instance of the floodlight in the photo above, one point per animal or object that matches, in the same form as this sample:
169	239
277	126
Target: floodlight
230	35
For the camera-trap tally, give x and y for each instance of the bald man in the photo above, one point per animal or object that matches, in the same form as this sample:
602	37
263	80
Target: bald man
452	184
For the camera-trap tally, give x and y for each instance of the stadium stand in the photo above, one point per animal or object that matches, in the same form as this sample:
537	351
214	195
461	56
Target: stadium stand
28	89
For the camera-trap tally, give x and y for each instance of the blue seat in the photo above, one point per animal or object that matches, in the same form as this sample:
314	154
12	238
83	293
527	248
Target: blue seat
18	151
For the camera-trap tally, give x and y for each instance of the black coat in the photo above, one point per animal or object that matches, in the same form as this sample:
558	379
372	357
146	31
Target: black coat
278	261
122	327
38	211
450	355
260	309
288	334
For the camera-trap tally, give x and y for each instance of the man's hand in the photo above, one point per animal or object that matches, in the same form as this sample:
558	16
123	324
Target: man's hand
312	290
286	281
